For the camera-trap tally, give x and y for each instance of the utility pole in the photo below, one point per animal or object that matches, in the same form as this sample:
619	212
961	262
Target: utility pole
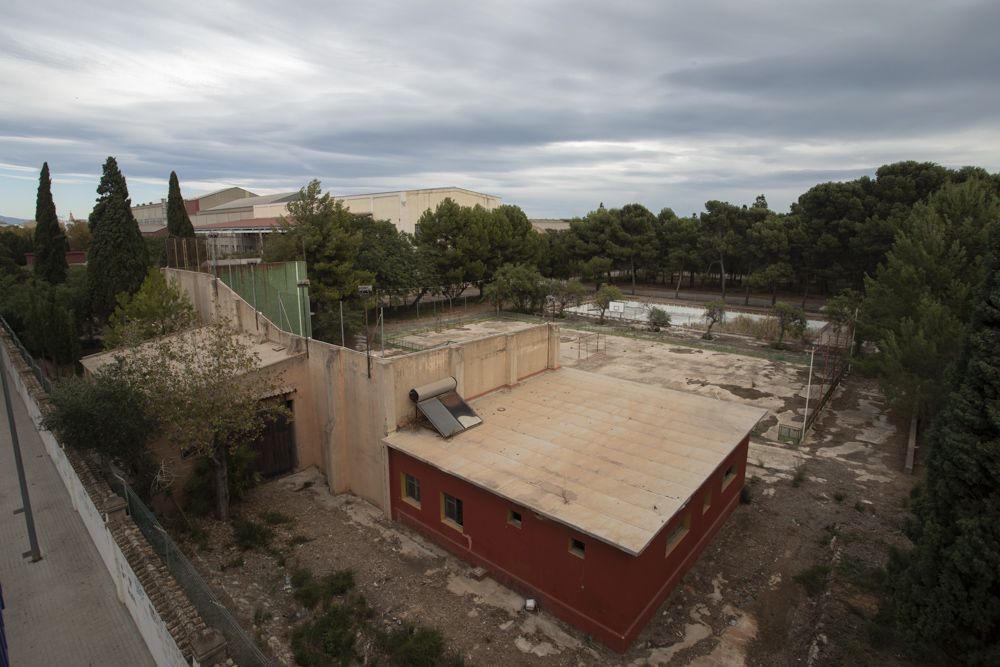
805	417
29	518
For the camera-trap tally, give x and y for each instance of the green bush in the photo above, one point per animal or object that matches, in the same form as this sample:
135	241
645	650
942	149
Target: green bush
329	638
275	518
415	646
199	491
311	592
813	579
250	534
658	318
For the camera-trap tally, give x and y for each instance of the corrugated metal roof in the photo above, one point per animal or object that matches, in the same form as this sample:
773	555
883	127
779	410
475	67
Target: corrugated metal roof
613	459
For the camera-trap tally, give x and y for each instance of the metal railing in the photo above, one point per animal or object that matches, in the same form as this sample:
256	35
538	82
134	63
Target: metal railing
241	647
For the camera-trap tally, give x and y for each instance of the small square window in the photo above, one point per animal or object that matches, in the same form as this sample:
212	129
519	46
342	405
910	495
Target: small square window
729	476
514	518
411	489
451	510
577	548
678	533
707	504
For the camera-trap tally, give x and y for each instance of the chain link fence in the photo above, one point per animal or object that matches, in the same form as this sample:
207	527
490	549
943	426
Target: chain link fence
241	647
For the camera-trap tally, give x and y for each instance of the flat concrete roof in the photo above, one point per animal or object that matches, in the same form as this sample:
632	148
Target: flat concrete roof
269	353
613	459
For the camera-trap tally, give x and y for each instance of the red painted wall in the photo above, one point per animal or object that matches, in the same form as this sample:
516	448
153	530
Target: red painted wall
608	593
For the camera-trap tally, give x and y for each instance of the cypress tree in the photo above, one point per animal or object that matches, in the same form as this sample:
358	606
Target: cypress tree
178	222
118	257
50	239
947	589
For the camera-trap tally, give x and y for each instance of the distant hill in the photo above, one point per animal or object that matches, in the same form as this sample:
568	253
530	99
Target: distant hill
7	220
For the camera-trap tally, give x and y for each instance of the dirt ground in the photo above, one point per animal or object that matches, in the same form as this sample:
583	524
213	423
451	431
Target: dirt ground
831	506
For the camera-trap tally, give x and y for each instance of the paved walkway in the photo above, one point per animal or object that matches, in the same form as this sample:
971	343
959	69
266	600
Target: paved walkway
62	610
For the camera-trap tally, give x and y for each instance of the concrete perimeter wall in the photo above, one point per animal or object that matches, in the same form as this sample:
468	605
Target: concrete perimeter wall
342	412
154	631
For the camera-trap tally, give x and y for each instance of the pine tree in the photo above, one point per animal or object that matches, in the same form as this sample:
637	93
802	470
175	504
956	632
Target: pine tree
50	240
947	589
178	222
118	258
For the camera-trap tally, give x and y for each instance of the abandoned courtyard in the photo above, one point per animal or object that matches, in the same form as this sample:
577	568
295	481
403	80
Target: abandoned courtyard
792	578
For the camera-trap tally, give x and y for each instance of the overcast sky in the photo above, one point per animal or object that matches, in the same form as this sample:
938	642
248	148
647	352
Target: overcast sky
554	106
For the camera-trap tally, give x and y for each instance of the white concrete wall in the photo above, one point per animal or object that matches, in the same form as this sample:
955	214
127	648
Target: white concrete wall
154	631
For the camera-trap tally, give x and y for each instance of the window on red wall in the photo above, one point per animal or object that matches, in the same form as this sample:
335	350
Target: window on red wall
577	547
410	489
451	510
514	518
728	476
677	534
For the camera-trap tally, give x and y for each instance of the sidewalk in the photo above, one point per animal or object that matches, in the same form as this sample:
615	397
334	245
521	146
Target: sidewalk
62	610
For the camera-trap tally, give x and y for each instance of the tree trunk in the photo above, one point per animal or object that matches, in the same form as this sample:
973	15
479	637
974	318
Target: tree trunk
633	276
221	464
722	276
774	294
805	293
680	277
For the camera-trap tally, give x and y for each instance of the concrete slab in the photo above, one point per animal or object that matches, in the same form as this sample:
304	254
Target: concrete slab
470	331
62	610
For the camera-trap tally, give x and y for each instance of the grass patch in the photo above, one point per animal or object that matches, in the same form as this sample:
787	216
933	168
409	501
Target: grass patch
275	518
415	646
233	564
746	497
813	579
859	507
261	616
250	534
839	496
799	477
861	575
310	591
296	540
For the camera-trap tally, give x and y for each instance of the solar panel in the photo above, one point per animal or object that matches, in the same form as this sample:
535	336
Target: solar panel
444	408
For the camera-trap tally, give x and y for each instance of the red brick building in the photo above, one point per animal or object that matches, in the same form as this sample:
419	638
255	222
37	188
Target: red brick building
591	494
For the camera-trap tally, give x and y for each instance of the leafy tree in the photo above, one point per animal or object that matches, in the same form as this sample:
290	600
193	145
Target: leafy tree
50	327
590	239
916	303
632	238
790	320
157	309
118	259
387	254
714	312
178	222
511	239
106	415
452	241
679	245
771	252
50	240
78	234
556	259
564	293
14	243
947	589
204	388
520	285
320	227
605	295
723	230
